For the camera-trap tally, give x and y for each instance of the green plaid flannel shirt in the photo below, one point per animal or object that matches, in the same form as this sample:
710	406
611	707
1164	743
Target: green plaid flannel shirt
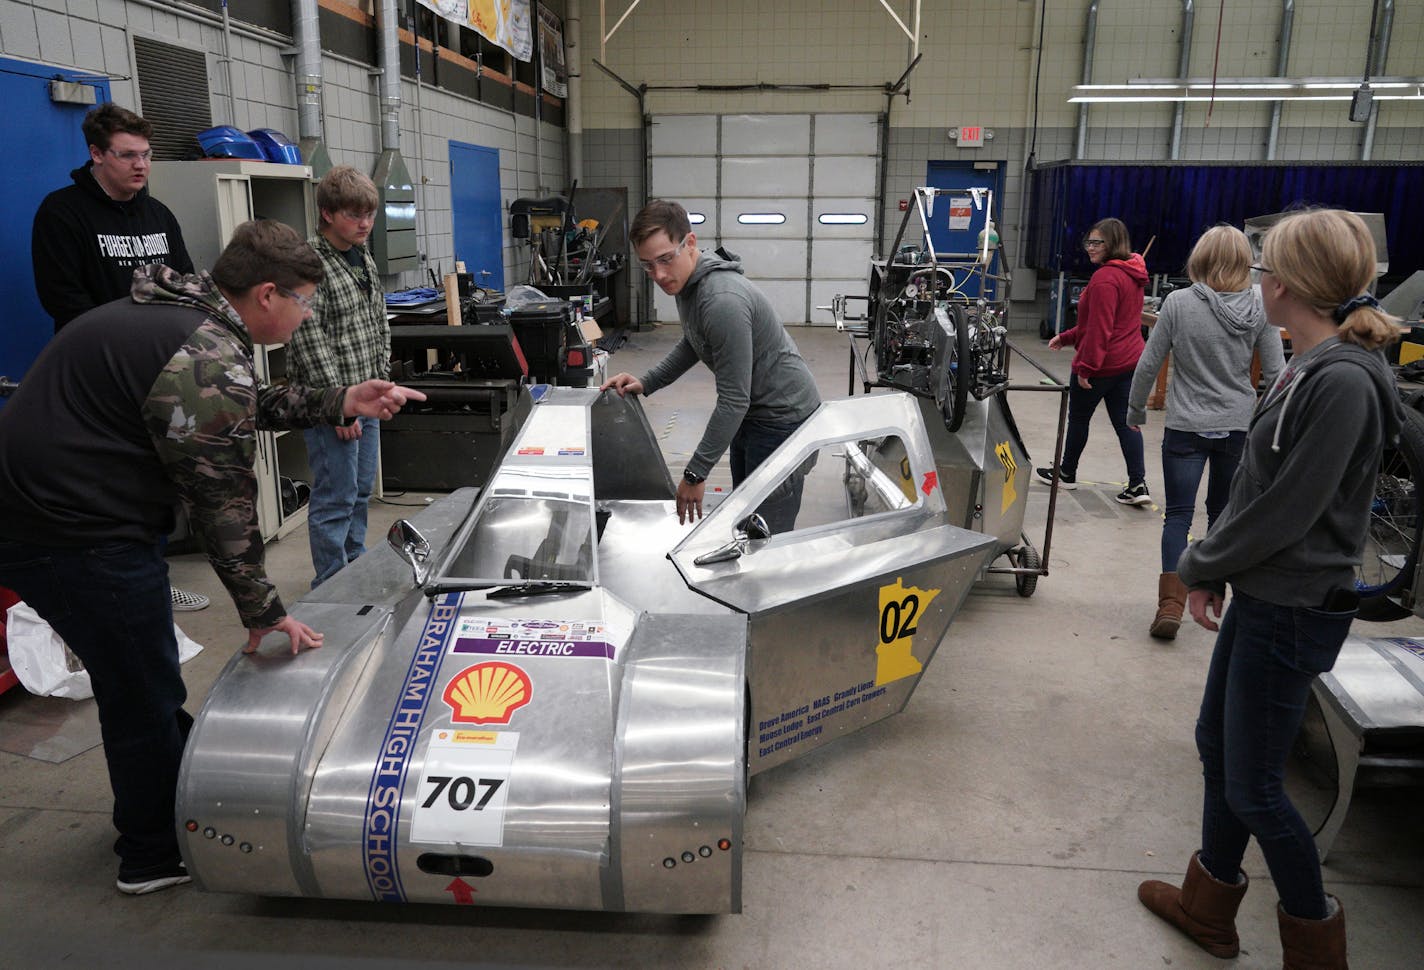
346	340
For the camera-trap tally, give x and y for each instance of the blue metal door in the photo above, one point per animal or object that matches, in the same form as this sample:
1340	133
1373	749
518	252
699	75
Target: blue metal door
53	145
477	212
956	222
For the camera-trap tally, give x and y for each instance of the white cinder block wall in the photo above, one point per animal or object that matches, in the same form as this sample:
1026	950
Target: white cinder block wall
978	68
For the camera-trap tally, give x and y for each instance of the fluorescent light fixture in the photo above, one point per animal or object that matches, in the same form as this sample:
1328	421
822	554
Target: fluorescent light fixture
761	218
1158	90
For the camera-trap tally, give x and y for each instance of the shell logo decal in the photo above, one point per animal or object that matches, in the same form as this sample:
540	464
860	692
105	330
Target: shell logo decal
488	693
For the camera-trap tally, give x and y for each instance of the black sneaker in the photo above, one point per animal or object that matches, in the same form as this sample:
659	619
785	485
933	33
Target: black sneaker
1135	495
138	882
1065	481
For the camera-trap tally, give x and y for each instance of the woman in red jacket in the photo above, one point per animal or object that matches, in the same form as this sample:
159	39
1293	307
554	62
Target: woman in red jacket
1108	341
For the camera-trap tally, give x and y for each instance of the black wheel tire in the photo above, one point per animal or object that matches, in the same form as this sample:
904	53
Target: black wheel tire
959	369
1404	460
1027	559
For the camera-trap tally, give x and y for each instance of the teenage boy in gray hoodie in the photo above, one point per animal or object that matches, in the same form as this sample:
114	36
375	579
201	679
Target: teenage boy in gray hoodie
764	389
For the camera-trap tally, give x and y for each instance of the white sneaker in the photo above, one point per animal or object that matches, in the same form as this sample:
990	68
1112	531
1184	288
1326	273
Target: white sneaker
186	602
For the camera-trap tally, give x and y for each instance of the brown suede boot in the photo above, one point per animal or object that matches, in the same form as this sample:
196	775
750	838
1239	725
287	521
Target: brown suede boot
1313	944
1171	601
1204	908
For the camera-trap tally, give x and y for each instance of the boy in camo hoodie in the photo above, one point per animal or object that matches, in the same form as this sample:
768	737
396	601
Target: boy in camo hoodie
132	407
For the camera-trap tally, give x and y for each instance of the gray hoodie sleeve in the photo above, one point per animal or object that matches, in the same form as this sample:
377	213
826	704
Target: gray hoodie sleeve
1328	421
1273	358
1158	345
677	362
728	329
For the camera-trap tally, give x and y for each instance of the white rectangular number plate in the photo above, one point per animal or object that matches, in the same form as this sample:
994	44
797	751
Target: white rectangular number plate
464	788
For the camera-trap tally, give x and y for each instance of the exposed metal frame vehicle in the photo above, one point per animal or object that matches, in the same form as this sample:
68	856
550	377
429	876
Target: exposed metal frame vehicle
556	699
922	334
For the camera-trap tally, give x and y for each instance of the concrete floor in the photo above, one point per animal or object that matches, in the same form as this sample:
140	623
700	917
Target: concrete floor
1003	820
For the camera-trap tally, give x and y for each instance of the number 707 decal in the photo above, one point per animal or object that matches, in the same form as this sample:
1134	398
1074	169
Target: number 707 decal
460	791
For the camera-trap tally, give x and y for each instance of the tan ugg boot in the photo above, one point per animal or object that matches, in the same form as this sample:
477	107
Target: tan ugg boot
1204	908
1313	944
1171	601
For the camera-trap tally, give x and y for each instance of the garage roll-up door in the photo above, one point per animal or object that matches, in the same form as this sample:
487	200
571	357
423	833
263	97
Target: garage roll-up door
793	195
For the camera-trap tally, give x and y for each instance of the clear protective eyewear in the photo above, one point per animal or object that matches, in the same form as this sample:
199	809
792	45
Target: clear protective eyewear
130	157
307	303
1094	243
665	260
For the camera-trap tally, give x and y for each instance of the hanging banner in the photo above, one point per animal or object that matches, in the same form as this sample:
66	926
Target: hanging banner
551	53
506	23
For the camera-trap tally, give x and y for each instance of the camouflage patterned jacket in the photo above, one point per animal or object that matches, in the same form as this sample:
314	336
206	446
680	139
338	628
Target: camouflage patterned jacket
141	403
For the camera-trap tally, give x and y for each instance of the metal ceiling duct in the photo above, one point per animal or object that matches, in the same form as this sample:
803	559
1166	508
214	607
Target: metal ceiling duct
306	37
393	239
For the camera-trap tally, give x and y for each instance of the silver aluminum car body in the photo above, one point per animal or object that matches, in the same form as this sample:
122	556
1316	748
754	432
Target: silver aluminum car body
567	713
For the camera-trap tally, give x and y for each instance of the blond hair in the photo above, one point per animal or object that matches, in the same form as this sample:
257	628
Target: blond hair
1221	259
1326	258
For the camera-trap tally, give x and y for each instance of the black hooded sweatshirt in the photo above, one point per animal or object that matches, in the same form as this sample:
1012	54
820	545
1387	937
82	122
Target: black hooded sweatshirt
86	245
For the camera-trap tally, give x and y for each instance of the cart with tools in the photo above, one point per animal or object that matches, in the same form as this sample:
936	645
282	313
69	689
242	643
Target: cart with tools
918	330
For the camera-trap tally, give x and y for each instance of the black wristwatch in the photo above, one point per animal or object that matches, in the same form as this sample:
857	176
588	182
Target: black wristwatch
693	479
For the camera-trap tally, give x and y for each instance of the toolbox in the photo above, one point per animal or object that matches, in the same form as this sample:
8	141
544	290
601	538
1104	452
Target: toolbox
471	377
553	344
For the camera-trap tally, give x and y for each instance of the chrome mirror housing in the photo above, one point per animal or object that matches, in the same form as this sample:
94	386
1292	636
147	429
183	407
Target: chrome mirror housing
751	529
411	546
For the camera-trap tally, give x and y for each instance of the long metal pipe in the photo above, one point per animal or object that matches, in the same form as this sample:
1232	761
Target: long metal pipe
227	64
1189	17
1377	59
1282	62
1090	42
306	37
573	63
388	57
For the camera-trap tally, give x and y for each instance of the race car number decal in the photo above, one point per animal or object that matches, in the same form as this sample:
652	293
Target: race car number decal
464	788
901	608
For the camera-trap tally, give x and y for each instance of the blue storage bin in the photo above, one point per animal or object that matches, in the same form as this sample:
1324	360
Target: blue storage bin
225	141
276	147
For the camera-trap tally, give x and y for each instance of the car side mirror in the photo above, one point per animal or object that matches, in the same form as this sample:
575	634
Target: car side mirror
411	546
751	529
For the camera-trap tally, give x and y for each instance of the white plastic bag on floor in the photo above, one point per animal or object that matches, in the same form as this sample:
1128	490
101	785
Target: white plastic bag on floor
47	667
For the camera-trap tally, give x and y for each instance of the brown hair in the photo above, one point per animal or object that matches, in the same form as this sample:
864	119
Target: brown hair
266	251
107	120
1221	259
1325	258
346	189
660	214
1114	233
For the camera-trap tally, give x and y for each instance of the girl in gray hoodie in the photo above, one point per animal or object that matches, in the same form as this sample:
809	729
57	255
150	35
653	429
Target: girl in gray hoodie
1211	330
1287	543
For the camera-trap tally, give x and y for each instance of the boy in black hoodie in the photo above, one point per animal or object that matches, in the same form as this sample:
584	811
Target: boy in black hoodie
89	237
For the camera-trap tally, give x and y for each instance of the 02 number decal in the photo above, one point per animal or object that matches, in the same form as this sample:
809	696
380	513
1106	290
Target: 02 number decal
898	618
460	791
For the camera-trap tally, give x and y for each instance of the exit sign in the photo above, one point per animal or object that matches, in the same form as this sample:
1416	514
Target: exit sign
970	136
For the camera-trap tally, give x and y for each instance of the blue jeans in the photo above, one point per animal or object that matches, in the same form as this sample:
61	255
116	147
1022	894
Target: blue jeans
1184	455
111	605
1082	402
753	444
343	475
1256	689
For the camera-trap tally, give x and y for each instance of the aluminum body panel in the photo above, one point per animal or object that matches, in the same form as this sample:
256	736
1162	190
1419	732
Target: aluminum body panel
984	468
580	743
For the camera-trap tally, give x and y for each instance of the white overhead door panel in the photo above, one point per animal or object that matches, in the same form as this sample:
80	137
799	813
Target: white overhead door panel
776	177
680	176
766	135
847	135
791	195
684	135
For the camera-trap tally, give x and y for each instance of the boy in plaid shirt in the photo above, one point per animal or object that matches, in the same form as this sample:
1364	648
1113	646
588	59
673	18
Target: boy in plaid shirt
345	341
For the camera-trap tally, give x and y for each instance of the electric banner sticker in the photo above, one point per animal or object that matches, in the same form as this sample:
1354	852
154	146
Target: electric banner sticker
464	788
500	637
901	608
